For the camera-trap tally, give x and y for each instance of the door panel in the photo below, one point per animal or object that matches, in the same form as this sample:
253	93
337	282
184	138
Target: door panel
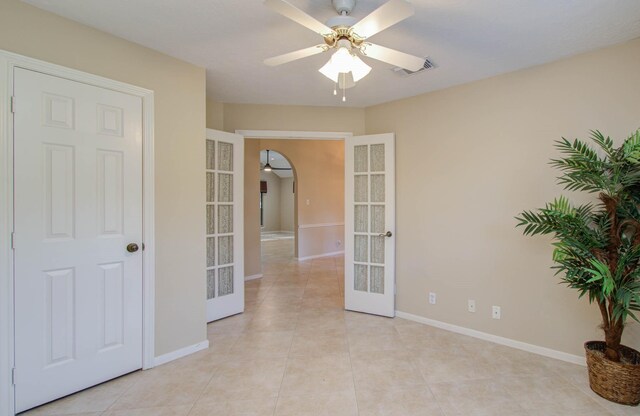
224	228
370	224
78	203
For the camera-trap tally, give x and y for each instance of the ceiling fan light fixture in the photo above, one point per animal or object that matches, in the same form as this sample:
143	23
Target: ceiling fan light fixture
267	167
347	37
343	62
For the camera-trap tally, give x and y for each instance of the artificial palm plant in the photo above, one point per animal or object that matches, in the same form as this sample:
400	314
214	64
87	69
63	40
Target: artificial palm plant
597	245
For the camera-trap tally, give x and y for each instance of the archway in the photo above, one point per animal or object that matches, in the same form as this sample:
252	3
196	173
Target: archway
278	206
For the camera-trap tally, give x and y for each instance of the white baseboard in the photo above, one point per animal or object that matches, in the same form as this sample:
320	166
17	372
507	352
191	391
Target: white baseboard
182	352
317	256
547	352
252	277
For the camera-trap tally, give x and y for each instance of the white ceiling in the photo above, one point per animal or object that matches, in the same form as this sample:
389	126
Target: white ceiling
467	39
276	161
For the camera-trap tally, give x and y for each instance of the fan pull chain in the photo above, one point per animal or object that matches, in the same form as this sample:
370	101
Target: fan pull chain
344	87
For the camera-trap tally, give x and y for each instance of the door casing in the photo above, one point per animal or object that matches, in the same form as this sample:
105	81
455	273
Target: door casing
296	135
8	62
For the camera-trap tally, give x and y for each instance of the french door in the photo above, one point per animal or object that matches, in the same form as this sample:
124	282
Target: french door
370	224
78	236
224	224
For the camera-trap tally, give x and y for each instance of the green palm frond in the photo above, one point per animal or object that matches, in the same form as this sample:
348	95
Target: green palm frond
631	148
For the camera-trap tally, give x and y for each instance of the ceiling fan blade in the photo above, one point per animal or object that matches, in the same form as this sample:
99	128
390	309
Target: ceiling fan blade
292	12
272	168
388	14
392	56
292	56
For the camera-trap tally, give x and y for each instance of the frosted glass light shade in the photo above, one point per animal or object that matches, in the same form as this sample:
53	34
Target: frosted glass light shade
329	70
359	69
342	60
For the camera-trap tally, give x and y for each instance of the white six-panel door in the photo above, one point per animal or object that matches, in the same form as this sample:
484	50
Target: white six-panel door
78	205
224	167
370	224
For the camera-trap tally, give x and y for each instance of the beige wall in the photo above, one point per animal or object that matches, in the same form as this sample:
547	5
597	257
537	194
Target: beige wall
179	128
319	171
271	202
469	159
286	204
290	117
251	208
215	115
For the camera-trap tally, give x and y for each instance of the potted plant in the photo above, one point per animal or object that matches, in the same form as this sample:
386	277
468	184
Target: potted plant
597	250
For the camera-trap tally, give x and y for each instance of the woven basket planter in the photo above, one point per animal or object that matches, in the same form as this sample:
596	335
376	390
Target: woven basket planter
617	382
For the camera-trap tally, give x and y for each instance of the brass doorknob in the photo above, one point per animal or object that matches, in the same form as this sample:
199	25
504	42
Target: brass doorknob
387	234
132	247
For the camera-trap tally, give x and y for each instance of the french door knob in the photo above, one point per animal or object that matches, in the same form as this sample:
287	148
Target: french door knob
132	247
387	234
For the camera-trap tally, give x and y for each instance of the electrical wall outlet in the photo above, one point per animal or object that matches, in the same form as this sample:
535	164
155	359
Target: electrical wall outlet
471	305
496	313
432	298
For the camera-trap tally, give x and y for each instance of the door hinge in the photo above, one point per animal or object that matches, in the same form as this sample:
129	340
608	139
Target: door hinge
13	241
13	103
13	376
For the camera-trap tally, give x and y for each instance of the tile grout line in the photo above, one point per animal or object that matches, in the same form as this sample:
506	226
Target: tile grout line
109	408
275	408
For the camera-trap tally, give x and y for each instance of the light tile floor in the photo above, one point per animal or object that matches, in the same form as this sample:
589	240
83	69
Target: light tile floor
276	235
295	351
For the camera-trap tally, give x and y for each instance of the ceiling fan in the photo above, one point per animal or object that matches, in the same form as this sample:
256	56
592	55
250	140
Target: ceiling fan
268	168
349	38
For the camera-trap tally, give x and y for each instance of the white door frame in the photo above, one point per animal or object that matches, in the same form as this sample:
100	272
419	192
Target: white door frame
8	62
297	135
294	135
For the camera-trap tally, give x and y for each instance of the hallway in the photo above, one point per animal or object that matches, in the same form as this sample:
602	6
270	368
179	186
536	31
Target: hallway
296	352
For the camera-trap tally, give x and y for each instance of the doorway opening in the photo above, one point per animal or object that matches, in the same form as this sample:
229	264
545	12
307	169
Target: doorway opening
277	205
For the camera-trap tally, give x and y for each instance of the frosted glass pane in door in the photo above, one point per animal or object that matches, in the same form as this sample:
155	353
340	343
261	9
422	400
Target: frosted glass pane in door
211	284
377	158
377	188
360	191
211	209
225	219
377	249
360	159
225	250
225	187
361	218
360	277
225	281
377	219
377	279
225	156
210	186
211	154
211	251
361	246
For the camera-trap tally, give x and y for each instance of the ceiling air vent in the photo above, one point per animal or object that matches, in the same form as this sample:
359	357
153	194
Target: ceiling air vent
428	64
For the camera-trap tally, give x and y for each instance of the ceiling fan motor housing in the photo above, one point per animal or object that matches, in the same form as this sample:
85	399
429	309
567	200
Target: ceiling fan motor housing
344	6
